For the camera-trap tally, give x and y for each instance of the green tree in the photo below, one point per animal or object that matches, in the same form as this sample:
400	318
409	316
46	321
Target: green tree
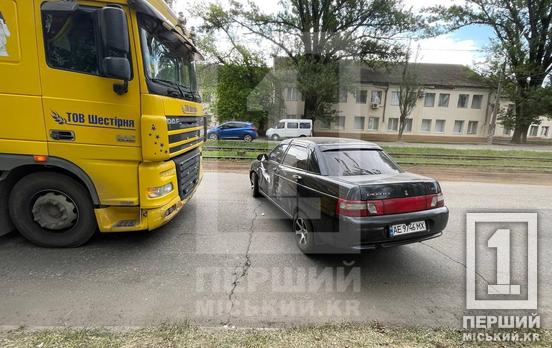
409	91
316	36
244	87
523	37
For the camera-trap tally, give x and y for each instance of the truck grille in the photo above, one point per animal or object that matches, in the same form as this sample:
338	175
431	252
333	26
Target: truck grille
185	132
187	169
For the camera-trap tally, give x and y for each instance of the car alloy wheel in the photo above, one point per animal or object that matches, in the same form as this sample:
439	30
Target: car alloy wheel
301	232
213	137
275	137
248	138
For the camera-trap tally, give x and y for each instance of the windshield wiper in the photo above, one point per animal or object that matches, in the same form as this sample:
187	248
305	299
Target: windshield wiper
174	88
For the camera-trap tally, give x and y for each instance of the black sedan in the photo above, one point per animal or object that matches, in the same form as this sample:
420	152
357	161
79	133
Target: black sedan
348	194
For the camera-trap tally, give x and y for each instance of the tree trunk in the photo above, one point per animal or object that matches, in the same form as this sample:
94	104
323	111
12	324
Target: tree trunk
520	134
310	107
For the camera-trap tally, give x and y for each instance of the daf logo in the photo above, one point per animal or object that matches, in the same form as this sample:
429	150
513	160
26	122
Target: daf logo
187	109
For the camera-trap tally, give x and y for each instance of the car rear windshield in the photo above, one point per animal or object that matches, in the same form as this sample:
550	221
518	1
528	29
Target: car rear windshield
349	162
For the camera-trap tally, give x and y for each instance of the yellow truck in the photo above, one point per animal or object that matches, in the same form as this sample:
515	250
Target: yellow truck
101	123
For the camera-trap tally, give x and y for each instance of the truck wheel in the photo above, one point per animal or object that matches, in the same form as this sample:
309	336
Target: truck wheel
52	210
255	185
275	137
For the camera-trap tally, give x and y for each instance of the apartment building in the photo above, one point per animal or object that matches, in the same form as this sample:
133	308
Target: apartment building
453	106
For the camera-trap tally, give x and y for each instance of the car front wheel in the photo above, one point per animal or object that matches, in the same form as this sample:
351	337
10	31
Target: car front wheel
255	185
213	137
275	137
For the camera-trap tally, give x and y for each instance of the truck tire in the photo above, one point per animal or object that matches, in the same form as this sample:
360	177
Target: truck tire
52	210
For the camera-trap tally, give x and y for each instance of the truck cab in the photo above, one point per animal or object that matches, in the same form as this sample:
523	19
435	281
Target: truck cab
102	124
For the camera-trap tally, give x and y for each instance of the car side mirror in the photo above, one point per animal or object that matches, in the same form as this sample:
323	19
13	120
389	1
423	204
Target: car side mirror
116	46
262	157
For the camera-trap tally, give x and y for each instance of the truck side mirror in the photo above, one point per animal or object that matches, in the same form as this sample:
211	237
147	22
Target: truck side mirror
116	46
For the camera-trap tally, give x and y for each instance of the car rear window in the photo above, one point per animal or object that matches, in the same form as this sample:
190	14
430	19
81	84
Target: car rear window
351	162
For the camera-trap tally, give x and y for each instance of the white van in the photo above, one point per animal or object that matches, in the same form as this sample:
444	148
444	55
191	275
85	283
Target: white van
290	128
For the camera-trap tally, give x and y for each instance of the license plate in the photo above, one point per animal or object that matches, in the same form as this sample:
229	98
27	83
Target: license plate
399	230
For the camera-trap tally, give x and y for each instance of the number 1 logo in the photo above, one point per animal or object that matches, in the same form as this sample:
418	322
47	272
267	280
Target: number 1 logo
501	242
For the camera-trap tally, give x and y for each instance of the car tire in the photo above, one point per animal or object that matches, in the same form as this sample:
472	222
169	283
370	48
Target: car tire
213	137
254	179
248	138
304	234
38	200
275	137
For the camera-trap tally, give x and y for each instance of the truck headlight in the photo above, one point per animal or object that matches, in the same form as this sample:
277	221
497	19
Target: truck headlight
158	192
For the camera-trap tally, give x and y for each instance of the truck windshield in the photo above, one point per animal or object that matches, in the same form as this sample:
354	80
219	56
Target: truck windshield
168	62
352	162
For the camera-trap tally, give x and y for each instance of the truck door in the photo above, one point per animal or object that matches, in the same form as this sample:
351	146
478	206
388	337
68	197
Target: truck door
87	122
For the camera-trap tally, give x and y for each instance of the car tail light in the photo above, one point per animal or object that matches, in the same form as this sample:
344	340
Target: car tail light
389	206
359	208
437	201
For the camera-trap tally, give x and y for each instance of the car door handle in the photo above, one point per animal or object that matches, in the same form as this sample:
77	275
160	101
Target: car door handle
297	177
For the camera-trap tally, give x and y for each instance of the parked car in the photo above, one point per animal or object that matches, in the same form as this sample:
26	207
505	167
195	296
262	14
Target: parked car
348	194
233	130
291	128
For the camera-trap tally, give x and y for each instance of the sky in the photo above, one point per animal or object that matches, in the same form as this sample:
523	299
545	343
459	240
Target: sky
460	47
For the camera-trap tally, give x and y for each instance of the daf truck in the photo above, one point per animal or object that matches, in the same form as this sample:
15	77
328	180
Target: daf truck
101	123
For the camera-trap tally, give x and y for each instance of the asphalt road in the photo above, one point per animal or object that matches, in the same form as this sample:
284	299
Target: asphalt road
231	259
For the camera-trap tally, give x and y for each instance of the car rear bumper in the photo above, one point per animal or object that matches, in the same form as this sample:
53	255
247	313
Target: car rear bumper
373	232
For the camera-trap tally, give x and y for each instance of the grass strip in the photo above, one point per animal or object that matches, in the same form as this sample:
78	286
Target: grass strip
346	335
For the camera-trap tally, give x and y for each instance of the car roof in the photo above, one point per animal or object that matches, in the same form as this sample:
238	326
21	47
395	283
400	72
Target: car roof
328	143
295	120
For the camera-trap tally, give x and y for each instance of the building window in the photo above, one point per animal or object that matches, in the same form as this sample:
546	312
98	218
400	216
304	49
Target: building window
362	96
444	100
544	131
340	122
408	125
477	101
472	127
534	131
395	98
324	123
359	122
429	100
293	94
440	126
373	123
376	97
426	125
463	101
343	95
393	124
458	127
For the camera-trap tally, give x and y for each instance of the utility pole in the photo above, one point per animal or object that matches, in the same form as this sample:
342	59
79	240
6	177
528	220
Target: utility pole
492	126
